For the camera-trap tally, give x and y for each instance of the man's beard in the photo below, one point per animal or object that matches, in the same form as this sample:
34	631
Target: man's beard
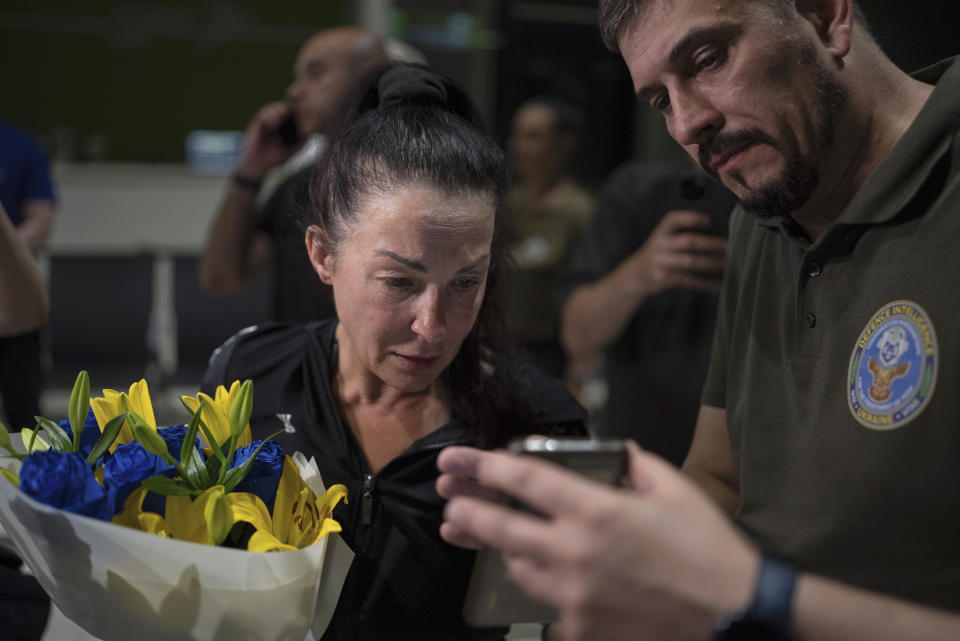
800	176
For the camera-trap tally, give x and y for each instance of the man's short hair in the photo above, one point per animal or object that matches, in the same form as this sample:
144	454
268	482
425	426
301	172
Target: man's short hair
615	14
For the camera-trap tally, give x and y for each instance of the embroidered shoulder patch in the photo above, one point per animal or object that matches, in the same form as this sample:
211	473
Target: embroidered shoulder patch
893	367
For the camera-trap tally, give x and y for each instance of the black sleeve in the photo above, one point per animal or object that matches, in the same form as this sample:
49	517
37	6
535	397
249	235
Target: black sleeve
281	215
617	228
556	412
219	363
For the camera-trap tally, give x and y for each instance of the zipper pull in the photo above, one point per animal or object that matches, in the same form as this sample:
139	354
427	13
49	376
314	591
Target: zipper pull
366	506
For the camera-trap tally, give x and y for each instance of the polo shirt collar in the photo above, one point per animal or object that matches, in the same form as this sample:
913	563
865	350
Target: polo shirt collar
907	167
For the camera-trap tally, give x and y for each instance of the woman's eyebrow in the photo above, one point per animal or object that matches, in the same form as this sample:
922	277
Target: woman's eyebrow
475	264
420	267
412	264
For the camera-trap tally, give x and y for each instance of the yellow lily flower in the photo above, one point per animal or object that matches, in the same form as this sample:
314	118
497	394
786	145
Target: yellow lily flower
114	403
185	520
299	517
216	415
134	517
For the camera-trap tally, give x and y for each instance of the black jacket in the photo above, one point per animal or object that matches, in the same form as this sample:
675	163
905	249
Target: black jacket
405	581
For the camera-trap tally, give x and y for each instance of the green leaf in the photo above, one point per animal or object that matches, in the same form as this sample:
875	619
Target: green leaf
107	437
10	476
218	513
241	408
228	453
217	451
79	404
196	471
189	441
213	467
233	476
167	487
57	438
7	444
193	464
34	437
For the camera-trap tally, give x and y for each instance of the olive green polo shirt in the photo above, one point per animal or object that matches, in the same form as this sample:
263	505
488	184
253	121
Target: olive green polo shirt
838	363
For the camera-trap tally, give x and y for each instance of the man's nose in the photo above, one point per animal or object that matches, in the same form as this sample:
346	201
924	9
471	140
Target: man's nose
430	321
694	119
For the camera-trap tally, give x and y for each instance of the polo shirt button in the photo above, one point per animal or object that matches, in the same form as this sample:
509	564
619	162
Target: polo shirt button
814	269
809	320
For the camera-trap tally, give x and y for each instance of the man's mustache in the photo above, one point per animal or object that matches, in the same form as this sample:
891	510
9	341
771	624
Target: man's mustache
724	142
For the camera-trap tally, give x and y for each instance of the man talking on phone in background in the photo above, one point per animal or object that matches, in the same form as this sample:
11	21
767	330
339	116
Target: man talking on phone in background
249	235
828	425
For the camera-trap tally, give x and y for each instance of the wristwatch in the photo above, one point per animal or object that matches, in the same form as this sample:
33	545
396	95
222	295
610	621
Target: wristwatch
767	618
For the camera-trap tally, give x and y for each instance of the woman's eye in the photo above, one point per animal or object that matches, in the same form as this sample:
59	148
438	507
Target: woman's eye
398	283
466	284
661	102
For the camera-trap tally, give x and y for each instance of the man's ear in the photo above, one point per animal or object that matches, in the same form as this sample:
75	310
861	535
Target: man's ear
833	22
318	249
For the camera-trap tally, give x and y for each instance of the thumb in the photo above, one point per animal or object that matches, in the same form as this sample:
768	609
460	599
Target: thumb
647	471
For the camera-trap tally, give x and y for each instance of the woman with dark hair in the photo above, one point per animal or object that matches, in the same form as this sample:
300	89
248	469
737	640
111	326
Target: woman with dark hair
405	227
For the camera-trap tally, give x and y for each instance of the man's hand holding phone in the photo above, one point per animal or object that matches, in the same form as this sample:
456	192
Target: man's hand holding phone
659	562
270	139
680	253
492	599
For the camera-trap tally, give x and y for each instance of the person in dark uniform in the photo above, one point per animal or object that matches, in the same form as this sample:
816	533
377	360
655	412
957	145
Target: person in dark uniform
406	231
255	229
641	293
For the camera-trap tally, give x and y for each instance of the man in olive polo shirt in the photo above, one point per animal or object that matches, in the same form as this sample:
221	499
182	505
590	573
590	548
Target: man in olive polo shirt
828	428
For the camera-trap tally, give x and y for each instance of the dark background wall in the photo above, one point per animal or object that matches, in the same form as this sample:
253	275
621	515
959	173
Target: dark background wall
142	74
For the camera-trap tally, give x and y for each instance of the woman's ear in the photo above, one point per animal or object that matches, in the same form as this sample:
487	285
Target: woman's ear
318	249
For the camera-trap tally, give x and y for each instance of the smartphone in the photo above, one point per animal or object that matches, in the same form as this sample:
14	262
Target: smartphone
692	191
287	131
492	599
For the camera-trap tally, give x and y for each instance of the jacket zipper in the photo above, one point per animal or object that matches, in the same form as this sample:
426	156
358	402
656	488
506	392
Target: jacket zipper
366	501
366	518
370	480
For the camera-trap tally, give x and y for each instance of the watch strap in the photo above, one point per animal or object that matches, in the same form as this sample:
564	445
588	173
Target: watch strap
773	594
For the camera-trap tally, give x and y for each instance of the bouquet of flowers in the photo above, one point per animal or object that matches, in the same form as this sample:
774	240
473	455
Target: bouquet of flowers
186	532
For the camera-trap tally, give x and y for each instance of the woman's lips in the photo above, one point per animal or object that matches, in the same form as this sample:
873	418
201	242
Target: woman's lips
416	362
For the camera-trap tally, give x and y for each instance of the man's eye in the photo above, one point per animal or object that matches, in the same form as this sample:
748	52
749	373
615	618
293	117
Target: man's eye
709	60
661	102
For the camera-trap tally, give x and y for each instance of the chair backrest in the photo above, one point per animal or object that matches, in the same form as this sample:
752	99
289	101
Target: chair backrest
99	312
204	320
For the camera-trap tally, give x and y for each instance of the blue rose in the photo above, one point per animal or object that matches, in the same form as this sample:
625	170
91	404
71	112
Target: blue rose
173	437
89	435
264	475
65	480
130	464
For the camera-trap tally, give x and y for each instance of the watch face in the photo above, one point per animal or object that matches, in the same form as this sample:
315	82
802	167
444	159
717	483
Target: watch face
749	627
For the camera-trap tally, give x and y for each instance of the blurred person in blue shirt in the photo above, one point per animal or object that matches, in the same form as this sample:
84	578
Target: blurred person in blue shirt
27	195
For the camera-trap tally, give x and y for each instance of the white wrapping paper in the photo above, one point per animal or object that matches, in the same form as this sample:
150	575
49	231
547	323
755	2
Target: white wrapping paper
118	583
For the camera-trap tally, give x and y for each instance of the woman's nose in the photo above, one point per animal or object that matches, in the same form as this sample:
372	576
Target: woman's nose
430	322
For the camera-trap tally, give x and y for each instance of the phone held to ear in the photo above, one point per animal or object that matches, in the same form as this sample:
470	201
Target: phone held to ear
493	600
287	131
